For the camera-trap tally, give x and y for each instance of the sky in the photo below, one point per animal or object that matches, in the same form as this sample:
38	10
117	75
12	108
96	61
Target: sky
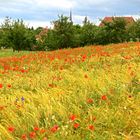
42	12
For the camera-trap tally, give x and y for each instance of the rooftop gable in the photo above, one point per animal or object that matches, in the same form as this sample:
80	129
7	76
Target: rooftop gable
129	20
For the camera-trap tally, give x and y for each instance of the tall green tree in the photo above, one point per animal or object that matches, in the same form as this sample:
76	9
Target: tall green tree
16	35
63	32
88	33
77	35
115	30
134	31
5	33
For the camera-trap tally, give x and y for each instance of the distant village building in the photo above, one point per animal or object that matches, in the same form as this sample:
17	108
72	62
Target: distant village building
128	20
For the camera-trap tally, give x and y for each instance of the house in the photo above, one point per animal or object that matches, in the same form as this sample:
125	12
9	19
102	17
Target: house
129	20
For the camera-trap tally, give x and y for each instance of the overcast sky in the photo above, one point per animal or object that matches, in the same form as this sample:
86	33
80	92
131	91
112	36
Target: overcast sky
42	12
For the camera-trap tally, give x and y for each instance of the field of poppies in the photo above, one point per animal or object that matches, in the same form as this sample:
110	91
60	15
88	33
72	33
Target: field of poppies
89	93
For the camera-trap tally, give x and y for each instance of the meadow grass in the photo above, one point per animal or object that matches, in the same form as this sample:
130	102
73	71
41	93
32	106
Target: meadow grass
9	52
90	93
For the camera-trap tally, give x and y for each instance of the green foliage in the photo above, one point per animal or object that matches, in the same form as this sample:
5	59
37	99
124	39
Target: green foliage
5	33
101	37
134	31
16	35
88	33
62	34
52	40
77	35
115	31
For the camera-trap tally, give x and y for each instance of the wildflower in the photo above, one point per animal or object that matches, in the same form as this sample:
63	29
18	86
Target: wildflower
23	71
36	128
72	117
22	98
94	118
84	56
3	72
24	137
76	125
104	97
90	100
66	59
86	76
42	131
51	85
2	108
129	96
91	127
32	135
45	138
54	128
1	85
61	68
132	73
127	57
11	129
9	86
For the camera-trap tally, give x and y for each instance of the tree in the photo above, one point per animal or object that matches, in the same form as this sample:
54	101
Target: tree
101	36
134	31
63	32
5	33
17	35
77	35
88	33
115	30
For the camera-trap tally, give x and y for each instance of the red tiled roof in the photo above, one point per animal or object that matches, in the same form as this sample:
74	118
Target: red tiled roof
128	20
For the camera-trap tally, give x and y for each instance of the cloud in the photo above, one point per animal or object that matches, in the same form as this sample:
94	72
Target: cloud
45	4
35	23
96	2
62	4
44	11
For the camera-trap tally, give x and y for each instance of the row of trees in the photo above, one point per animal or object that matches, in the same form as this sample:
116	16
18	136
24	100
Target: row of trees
15	34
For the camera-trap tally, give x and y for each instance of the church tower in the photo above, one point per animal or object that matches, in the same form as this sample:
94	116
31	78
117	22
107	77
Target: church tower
71	16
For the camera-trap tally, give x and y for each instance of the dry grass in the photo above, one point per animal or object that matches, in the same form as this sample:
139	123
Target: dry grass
89	93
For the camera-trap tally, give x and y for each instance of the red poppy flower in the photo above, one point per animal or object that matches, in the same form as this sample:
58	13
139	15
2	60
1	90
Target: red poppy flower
1	85
72	117
23	71
76	125
32	135
9	86
54	128
36	128
91	127
90	100
11	129
24	137
84	56
2	107
42	131
104	97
